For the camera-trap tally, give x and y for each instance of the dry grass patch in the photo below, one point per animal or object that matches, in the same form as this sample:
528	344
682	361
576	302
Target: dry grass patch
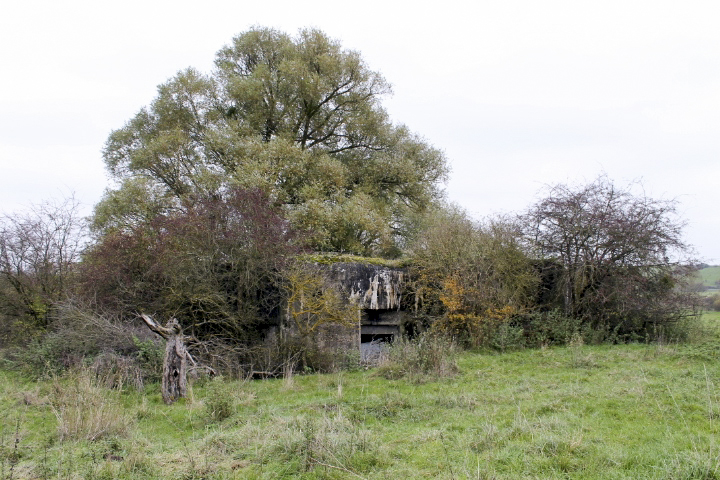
86	410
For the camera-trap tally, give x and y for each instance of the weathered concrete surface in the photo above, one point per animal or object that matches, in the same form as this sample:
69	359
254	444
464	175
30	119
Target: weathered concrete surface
371	287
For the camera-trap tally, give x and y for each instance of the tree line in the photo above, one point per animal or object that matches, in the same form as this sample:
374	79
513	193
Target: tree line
226	180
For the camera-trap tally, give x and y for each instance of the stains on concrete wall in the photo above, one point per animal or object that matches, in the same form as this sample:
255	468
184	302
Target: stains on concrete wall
371	287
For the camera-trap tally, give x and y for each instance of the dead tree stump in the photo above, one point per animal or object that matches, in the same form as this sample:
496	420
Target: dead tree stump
174	378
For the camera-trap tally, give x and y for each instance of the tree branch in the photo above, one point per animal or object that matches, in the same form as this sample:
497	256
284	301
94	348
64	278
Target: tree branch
164	332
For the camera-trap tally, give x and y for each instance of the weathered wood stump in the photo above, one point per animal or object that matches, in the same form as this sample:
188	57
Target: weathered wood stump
174	378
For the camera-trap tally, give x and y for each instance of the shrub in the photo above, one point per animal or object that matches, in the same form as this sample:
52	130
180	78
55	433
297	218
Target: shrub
303	354
78	337
149	358
549	328
507	337
116	371
39	250
712	302
470	278
214	264
614	249
219	402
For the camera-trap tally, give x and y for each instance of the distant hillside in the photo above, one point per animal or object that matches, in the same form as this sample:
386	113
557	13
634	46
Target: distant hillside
709	276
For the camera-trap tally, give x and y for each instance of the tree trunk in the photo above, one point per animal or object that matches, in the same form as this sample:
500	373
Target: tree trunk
174	379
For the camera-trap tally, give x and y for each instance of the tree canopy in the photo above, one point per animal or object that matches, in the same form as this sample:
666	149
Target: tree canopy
297	117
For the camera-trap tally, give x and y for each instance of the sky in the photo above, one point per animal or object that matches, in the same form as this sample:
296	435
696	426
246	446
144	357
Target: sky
519	94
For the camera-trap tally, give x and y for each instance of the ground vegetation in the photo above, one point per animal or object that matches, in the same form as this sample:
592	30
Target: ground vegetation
234	190
582	411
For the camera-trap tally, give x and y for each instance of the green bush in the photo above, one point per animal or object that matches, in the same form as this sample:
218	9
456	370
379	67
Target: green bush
507	337
303	355
712	302
220	401
549	328
149	357
120	352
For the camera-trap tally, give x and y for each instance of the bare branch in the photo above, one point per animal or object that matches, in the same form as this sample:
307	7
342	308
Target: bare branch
165	332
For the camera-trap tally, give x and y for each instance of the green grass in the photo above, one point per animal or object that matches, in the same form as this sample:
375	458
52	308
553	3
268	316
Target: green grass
709	276
629	411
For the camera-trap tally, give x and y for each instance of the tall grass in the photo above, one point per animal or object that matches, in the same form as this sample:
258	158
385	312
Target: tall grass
86	409
426	357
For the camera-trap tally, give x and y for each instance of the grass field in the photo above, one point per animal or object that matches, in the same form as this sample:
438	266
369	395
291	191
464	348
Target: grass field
709	276
626	411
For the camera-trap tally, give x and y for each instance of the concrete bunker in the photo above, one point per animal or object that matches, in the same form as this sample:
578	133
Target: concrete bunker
377	290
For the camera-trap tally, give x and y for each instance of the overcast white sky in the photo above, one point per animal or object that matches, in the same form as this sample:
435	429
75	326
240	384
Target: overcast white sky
518	93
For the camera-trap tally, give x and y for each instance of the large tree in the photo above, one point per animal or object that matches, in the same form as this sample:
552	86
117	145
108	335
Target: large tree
620	256
298	117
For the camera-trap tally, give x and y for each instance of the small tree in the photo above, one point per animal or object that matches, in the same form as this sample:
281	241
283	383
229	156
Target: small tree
621	256
39	251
